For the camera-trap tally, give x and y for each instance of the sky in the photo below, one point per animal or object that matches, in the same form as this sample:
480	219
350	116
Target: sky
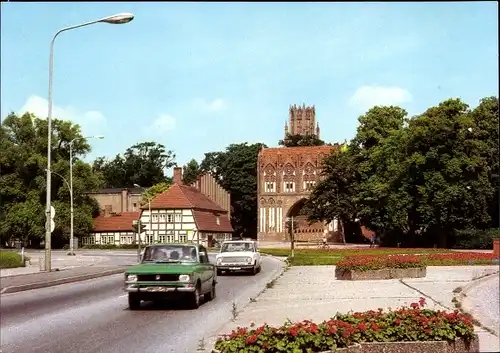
197	77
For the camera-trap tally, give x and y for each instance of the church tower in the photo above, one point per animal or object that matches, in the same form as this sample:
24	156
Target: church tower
302	121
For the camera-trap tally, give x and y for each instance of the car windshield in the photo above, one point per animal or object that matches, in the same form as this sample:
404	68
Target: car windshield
170	253
230	247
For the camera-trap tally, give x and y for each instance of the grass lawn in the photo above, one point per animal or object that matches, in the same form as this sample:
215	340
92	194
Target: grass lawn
431	257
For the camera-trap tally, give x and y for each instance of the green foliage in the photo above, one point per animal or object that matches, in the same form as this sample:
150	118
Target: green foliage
191	172
415	181
413	323
11	259
236	170
476	239
143	164
154	190
301	140
23	156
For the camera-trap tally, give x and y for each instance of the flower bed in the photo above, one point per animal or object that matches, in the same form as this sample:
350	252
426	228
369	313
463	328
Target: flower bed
459	258
414	324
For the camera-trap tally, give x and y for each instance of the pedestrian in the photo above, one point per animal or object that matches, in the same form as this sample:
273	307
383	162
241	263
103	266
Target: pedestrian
372	241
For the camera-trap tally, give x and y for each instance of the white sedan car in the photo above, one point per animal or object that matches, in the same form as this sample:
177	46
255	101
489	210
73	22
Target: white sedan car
238	255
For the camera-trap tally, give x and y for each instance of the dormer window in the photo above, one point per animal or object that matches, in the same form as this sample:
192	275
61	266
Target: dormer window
217	220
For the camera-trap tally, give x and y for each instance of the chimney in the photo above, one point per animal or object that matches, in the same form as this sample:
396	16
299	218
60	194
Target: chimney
178	175
107	210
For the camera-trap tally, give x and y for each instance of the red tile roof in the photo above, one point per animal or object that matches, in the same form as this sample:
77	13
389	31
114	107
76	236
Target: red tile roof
183	196
120	222
296	150
207	221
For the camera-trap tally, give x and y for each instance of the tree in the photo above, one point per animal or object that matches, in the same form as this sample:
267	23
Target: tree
23	150
301	140
416	181
143	163
191	172
236	171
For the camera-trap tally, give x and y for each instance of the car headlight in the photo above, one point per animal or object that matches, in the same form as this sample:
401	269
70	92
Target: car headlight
249	260
132	278
184	278
219	260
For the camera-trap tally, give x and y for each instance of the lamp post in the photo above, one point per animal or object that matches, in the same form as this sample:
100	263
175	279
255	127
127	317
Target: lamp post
116	19
149	207
71	231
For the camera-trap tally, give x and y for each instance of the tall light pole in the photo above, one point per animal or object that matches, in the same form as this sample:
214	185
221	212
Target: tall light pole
115	19
149	206
71	231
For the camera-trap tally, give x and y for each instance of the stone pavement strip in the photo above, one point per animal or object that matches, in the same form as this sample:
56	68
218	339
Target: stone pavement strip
11	284
312	292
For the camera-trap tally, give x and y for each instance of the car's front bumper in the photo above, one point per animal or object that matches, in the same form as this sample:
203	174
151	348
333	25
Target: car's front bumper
137	287
235	267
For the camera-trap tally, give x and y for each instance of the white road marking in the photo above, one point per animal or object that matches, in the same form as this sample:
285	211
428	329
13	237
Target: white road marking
123	296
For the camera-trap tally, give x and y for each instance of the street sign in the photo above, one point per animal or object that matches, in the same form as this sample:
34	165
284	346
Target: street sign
52	212
52	225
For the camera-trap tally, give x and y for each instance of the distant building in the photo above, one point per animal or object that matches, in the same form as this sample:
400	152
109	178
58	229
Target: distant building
119	199
285	178
184	213
198	213
112	228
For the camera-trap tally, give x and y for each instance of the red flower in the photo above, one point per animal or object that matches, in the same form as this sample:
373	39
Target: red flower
362	326
293	331
414	305
252	339
422	301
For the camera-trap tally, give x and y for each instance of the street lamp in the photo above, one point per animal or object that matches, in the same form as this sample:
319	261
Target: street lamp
116	19
149	206
71	232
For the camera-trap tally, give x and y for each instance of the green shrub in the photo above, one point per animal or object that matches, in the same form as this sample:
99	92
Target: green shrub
476	239
11	259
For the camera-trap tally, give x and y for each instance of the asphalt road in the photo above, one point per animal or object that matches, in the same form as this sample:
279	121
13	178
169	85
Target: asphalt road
93	316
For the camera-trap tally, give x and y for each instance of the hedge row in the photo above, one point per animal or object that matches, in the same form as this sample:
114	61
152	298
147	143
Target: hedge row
11	259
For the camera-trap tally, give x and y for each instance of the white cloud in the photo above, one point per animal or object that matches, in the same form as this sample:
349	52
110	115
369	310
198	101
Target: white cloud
215	105
367	97
162	124
90	121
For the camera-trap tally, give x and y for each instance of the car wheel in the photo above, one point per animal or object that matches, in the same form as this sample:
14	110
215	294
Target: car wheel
259	268
254	271
194	299
134	301
211	295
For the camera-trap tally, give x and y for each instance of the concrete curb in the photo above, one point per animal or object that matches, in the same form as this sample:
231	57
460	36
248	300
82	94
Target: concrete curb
210	341
462	299
38	285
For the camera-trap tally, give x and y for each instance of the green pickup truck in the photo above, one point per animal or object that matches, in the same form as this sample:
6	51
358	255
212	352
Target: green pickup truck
171	271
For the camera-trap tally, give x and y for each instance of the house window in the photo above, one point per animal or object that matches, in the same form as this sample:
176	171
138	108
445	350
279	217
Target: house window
134	207
178	218
155	218
309	185
107	239
126	239
170	218
161	238
289	186
88	240
269	186
182	237
163	217
149	239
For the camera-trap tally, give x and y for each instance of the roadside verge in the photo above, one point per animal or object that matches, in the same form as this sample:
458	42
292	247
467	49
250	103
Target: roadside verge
31	281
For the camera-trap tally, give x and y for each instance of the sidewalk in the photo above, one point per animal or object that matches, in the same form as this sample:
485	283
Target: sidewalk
65	269
59	261
312	292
